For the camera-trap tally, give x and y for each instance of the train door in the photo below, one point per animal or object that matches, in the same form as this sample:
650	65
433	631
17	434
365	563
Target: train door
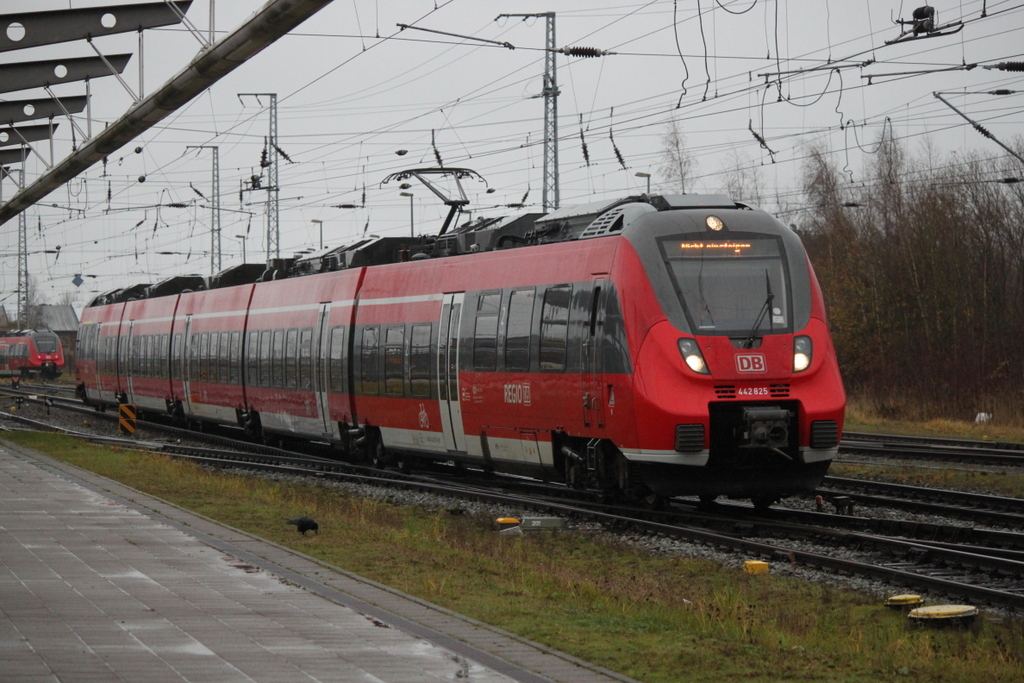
188	364
448	372
321	363
590	365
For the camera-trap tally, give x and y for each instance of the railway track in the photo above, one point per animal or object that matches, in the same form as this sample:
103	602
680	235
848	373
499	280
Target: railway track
966	564
930	448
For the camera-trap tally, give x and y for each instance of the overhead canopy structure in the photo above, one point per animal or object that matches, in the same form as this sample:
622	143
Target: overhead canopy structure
275	19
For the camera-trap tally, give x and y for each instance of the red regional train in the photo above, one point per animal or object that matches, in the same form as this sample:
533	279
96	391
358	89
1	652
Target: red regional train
651	346
31	353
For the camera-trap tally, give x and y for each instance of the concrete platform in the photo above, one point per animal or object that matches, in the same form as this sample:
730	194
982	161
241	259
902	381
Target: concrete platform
99	582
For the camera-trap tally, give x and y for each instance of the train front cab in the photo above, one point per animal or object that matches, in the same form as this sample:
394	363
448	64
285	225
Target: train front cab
737	388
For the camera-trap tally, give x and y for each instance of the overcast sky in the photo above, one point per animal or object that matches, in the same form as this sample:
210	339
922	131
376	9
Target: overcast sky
353	89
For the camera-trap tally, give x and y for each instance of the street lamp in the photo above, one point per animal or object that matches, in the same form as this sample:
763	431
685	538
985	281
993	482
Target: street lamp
641	174
321	224
243	238
410	196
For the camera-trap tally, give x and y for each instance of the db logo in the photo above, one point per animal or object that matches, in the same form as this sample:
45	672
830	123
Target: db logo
750	362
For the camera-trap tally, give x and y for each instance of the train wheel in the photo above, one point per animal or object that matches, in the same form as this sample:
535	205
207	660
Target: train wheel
252	426
656	502
378	454
763	501
405	463
707	499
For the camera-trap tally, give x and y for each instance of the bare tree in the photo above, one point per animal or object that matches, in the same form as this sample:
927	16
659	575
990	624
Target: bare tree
743	181
677	163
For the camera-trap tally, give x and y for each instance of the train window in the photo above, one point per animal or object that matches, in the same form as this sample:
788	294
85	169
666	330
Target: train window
265	375
212	367
235	358
306	359
176	356
369	353
46	344
419	361
554	327
133	355
277	359
252	363
517	338
291	354
336	362
394	361
224	354
486	333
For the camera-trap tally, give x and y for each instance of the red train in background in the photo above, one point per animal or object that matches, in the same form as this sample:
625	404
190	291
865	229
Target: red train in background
31	353
648	346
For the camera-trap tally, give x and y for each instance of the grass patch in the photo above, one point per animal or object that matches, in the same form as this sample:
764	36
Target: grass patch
862	416
653	618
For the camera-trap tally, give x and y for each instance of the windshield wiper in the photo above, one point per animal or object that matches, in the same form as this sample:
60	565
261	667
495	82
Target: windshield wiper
748	343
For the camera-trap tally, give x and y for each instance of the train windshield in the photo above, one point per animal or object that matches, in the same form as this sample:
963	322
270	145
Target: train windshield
734	286
46	344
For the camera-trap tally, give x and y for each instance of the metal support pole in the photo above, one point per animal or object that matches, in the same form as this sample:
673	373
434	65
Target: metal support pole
273	192
215	241
550	196
22	260
142	89
88	108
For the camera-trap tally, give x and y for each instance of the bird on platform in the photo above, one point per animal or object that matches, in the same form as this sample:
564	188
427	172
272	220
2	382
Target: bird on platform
304	524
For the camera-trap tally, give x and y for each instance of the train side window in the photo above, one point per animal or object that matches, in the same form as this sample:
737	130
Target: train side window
165	342
485	336
176	356
419	361
252	362
235	358
291	356
133	355
221	359
306	359
554	327
277	358
394	361
145	355
336	362
369	353
212	359
265	364
517	339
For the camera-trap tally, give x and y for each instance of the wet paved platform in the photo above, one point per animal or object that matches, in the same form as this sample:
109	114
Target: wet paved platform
99	582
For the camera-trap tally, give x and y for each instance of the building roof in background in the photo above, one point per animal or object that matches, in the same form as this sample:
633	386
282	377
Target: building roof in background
58	318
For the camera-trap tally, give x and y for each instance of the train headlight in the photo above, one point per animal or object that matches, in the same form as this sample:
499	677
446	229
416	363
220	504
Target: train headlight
691	354
803	351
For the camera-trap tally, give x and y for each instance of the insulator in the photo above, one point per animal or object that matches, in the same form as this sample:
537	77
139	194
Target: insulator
981	129
1010	66
582	52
